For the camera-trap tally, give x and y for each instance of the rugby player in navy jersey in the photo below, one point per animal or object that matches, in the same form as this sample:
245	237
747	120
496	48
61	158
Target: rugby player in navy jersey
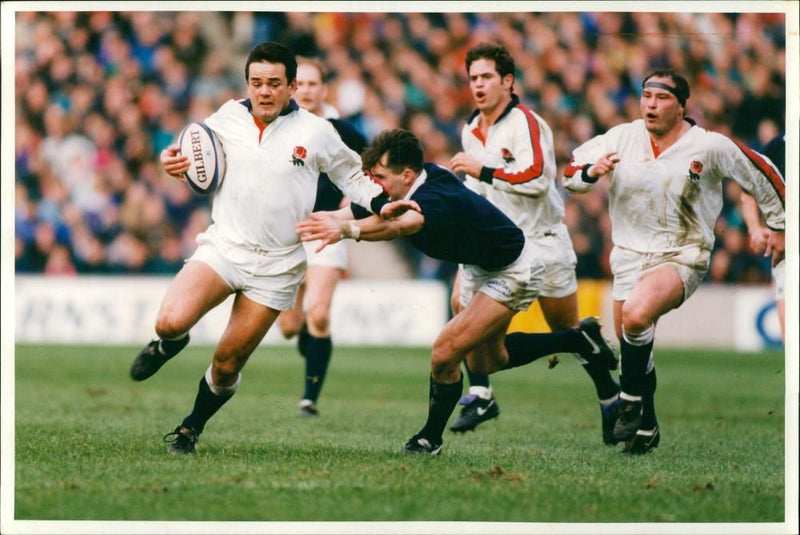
499	278
310	317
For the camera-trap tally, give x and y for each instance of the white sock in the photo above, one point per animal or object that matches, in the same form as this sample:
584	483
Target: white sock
639	339
481	391
222	390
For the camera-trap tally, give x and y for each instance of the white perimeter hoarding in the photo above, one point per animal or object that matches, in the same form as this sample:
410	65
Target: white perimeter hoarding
122	310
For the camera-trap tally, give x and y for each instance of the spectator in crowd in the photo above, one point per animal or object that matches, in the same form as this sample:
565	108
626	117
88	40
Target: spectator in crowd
88	80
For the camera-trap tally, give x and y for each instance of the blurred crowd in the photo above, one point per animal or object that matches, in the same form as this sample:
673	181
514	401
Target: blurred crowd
100	94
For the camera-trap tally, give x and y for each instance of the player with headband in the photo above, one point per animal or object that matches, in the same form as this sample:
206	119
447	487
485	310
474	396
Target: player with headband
666	193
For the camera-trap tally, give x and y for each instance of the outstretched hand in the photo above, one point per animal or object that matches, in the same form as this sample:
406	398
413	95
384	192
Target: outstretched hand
605	164
395	209
321	226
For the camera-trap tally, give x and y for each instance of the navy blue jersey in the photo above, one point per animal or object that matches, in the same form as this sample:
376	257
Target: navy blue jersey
460	225
329	197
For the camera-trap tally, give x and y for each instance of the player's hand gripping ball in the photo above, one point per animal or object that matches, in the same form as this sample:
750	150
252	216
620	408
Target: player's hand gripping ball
206	158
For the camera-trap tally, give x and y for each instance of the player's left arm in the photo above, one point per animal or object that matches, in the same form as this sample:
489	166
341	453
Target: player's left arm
758	177
759	234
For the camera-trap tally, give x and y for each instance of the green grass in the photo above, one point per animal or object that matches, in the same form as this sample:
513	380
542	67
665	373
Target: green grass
88	443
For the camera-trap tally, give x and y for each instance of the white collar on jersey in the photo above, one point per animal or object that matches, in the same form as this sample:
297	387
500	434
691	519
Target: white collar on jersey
417	183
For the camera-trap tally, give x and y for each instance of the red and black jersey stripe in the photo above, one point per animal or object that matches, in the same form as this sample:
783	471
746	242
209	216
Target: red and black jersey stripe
775	179
536	169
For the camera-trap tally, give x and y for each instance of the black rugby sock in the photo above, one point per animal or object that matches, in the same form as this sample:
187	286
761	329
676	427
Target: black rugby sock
634	366
524	348
648	401
443	399
206	404
476	379
303	338
604	383
171	348
318	355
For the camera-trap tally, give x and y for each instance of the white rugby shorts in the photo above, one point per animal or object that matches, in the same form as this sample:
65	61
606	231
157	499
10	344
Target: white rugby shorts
554	248
516	285
334	255
629	266
779	279
267	279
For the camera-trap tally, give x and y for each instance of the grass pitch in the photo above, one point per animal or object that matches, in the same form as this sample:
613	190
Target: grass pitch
88	443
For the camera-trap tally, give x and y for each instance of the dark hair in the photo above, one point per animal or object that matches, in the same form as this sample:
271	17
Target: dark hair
681	85
403	149
503	62
272	53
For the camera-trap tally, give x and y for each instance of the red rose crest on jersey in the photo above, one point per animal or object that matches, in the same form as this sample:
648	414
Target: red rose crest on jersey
507	156
298	155
695	168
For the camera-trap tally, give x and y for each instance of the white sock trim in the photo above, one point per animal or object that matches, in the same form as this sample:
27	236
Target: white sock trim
481	391
628	397
161	341
222	390
639	339
609	401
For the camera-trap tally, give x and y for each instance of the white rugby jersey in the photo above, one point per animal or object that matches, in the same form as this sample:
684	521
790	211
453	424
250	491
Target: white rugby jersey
272	171
672	202
519	167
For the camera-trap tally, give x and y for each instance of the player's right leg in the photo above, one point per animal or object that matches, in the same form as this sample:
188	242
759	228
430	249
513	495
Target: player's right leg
195	290
483	323
247	326
321	281
658	292
479	404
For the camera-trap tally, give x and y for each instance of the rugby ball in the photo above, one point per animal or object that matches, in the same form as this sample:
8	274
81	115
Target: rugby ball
206	158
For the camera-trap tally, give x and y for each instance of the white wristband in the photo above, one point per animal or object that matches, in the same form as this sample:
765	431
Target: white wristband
355	230
350	229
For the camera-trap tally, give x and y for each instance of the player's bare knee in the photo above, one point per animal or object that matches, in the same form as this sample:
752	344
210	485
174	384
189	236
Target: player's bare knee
288	331
318	320
225	370
169	327
635	318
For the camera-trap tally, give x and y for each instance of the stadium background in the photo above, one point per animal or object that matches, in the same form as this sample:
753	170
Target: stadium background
99	94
